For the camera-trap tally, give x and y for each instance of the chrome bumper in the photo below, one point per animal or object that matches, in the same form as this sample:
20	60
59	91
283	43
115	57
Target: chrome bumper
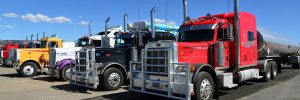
55	73
171	85
16	66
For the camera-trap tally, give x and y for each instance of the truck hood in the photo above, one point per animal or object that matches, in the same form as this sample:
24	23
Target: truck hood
194	52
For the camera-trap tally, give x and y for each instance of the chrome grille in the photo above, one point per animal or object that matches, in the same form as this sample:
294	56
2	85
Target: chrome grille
81	61
12	55
156	60
52	58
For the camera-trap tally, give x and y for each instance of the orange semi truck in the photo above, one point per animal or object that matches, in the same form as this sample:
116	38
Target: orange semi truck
29	61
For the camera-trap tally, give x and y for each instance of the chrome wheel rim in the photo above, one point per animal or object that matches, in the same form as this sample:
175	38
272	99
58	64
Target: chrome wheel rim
269	75
28	70
114	79
205	89
68	73
275	72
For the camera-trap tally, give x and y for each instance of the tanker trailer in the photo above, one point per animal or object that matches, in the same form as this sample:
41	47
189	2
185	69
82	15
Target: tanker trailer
281	50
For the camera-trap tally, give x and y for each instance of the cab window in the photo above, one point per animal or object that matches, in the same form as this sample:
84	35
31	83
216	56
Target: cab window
52	45
97	43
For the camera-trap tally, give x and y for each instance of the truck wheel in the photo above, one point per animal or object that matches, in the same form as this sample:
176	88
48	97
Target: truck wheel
274	71
204	86
112	79
4	62
66	73
267	74
296	66
29	69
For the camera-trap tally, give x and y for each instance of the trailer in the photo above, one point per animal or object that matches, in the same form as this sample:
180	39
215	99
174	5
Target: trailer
212	51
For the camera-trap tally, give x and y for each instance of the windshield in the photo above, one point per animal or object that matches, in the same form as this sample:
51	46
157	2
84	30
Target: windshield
43	44
196	35
124	42
82	43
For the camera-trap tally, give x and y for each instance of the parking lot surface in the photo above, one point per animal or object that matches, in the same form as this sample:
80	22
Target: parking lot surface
43	87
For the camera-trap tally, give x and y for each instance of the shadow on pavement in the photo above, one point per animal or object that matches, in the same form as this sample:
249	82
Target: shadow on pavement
128	96
71	88
14	75
47	79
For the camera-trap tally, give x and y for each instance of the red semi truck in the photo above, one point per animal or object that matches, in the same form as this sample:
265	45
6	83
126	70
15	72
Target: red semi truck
5	52
211	52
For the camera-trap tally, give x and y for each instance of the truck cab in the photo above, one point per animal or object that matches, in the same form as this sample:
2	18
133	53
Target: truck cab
204	56
28	61
110	66
61	59
4	57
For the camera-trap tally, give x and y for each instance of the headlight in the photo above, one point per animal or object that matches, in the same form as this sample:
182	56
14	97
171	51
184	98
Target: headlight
180	69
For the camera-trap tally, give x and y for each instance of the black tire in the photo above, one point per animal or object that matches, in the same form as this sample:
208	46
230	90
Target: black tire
274	71
28	66
64	73
203	78
4	62
119	78
296	66
267	74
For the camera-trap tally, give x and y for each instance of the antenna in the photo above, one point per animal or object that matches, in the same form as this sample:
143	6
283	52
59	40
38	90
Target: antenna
90	29
166	15
138	19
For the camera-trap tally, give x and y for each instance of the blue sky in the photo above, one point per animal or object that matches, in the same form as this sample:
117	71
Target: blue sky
66	18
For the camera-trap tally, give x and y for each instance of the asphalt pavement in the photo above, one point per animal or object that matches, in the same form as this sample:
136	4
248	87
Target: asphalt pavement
43	87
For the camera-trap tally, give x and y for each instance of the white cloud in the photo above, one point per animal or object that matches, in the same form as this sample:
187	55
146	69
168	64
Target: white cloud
61	19
44	18
6	26
10	15
161	21
83	23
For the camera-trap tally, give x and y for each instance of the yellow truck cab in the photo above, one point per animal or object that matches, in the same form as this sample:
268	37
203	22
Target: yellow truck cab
28	62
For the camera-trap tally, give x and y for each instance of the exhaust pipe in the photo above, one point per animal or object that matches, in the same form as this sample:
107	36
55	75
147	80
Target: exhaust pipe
90	29
152	16
43	34
37	36
125	22
105	42
31	37
237	35
106	25
184	10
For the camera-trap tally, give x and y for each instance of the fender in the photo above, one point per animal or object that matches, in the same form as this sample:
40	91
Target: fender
61	64
200	67
262	64
114	63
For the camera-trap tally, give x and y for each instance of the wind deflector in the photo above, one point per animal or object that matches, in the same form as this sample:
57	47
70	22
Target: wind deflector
197	27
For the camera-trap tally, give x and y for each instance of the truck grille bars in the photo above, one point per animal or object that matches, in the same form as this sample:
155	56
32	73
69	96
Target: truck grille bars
52	58
85	73
156	74
12	55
